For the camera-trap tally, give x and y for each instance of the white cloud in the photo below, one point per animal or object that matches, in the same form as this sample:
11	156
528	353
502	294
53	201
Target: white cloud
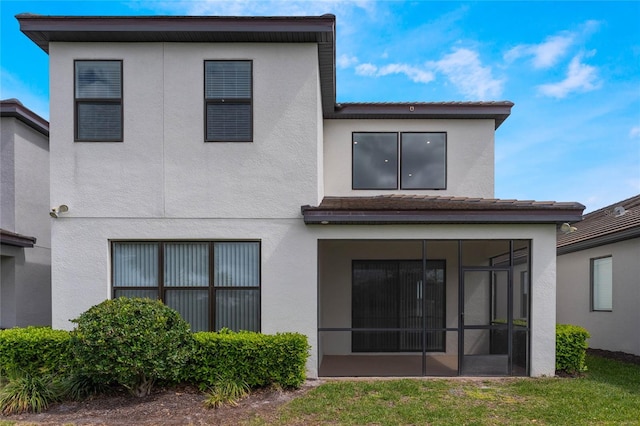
634	133
346	61
366	69
580	78
415	74
464	69
545	54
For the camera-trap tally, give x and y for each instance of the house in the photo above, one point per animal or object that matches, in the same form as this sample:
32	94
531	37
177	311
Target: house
25	242
205	162
599	276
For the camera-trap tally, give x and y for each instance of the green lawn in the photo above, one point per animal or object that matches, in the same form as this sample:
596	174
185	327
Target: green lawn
608	394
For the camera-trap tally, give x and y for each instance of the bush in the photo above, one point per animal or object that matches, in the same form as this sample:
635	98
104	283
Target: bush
28	392
34	350
252	358
571	348
132	342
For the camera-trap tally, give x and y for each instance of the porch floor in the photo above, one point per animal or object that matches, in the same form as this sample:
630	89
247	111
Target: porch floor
387	365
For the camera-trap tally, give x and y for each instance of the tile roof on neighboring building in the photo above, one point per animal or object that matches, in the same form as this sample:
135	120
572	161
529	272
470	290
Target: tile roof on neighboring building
617	222
14	108
12	239
407	209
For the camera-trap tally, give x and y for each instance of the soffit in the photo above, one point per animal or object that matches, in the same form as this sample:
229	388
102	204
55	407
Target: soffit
12	239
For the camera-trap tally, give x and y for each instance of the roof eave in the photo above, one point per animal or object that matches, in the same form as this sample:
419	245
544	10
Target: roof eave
495	110
13	108
602	240
12	239
326	217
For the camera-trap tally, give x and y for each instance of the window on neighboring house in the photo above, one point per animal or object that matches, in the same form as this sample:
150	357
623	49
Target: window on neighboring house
602	284
228	101
418	162
212	284
98	101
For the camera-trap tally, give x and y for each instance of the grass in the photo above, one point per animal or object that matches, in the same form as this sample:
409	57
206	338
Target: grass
608	394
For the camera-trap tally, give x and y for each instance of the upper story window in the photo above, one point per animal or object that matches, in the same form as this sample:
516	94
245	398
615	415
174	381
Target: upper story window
98	101
602	284
417	162
228	94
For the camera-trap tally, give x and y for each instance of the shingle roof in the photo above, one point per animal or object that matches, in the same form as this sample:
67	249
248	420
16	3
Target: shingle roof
617	222
438	209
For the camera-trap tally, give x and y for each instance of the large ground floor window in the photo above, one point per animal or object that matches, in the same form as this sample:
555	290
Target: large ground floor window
213	284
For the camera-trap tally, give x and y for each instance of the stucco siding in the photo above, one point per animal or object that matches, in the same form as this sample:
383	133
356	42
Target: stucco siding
616	330
163	168
470	155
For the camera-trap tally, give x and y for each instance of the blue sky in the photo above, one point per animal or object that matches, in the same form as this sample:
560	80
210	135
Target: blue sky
572	68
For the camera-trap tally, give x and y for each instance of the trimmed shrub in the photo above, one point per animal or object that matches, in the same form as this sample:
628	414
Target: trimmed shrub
571	348
131	342
252	358
34	350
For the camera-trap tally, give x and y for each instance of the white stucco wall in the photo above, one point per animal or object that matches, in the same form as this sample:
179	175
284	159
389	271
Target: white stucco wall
163	182
616	330
470	155
164	168
25	289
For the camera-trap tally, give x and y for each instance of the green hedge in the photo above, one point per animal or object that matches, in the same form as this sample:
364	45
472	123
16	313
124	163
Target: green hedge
571	347
34	350
253	358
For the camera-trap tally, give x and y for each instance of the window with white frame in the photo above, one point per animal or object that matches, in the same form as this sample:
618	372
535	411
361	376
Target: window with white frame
408	160
98	100
602	284
228	97
213	284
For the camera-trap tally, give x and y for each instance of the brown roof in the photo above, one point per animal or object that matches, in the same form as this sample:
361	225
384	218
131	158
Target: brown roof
12	239
384	209
14	108
43	29
617	222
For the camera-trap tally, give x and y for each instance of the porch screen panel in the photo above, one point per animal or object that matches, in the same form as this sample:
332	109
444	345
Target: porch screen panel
135	265
238	309
193	305
410	309
435	305
375	305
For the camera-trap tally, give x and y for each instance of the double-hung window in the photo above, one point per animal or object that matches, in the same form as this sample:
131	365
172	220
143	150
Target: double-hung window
228	101
418	161
602	284
213	284
98	100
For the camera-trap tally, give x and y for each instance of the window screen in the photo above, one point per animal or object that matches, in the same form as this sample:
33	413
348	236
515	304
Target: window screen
228	101
98	100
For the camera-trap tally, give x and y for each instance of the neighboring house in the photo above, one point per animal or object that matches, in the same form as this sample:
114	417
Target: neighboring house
599	276
25	235
206	162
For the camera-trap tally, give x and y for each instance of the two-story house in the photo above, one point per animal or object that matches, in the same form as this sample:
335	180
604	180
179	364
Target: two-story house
206	162
25	242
